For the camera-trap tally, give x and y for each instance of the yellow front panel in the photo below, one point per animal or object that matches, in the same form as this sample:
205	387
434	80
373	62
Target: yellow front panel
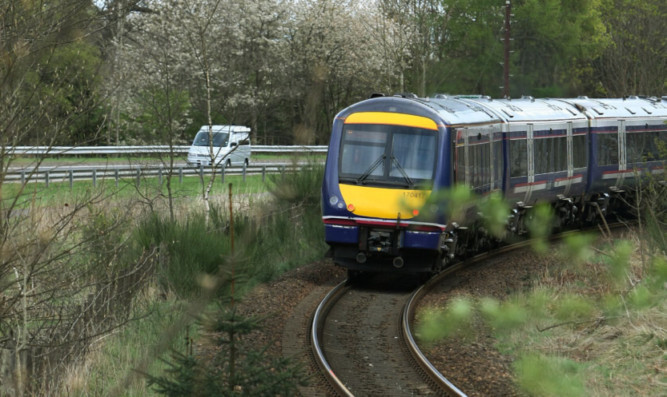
385	203
409	120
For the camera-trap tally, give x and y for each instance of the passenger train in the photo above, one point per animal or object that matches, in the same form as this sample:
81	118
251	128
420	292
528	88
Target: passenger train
389	154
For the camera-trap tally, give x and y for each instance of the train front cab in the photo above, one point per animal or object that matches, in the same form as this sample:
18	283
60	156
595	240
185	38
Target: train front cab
380	171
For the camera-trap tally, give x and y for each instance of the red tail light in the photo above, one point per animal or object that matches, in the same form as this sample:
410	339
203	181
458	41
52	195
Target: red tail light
427	228
340	222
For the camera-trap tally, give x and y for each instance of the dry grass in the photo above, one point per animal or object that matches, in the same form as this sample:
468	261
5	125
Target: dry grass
620	348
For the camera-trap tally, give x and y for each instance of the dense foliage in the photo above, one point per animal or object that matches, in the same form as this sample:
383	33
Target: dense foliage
152	71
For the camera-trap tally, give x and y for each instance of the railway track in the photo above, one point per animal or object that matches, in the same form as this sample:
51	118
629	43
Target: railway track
362	339
363	343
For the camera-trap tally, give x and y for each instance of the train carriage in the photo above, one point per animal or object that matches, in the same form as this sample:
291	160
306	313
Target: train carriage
388	155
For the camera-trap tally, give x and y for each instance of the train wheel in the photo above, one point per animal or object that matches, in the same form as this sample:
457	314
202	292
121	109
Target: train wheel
354	276
425	276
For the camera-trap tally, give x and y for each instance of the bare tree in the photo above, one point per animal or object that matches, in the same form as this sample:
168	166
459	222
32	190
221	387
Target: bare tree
62	280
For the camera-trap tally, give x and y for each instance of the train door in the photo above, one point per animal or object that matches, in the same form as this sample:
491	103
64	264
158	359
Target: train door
530	151
622	159
460	156
498	159
570	159
492	161
518	159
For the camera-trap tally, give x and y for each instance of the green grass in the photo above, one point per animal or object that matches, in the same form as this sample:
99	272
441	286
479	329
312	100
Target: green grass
61	193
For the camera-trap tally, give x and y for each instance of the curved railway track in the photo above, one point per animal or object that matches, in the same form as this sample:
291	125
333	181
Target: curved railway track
362	341
362	338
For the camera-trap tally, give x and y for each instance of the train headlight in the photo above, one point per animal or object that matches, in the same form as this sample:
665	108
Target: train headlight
336	202
350	207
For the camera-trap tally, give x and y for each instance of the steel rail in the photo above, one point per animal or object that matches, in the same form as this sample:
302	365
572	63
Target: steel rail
408	317
411	306
315	332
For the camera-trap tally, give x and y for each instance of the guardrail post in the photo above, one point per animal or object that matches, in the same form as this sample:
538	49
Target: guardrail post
201	172
22	177
138	176
263	173
46	178
159	175
71	179
94	177
244	171
222	173
116	176
180	175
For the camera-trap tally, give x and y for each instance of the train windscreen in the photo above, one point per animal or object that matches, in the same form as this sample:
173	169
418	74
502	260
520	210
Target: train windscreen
388	155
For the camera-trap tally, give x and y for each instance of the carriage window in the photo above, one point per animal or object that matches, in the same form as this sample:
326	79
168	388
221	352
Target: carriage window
643	146
661	144
607	149
518	158
636	146
560	159
460	164
486	171
579	151
544	155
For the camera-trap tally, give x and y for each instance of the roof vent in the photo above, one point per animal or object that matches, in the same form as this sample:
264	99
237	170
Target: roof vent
406	95
376	95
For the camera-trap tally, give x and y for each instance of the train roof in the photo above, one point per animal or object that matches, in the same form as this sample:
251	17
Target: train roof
457	110
528	109
477	109
628	107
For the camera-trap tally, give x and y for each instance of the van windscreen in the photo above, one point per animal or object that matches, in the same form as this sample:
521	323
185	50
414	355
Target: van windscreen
220	139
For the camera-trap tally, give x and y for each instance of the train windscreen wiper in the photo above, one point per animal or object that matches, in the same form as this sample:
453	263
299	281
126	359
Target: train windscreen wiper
371	168
400	169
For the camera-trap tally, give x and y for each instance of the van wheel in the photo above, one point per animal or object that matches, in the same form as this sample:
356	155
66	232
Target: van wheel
228	163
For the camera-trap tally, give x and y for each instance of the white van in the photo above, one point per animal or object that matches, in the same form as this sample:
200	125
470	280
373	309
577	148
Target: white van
231	146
